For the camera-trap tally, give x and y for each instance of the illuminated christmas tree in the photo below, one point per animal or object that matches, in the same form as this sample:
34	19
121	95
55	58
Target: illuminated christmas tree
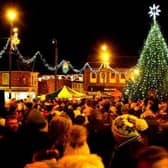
152	66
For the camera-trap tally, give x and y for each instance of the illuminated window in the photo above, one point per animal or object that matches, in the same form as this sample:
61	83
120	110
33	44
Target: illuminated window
122	78
93	77
112	77
103	77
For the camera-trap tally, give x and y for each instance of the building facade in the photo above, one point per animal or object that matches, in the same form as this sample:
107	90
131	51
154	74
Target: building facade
48	84
23	83
104	80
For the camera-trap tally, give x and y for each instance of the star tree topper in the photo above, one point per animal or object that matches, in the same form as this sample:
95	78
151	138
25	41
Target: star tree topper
154	11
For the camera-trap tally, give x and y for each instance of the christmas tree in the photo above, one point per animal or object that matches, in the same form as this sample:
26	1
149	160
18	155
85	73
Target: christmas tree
152	66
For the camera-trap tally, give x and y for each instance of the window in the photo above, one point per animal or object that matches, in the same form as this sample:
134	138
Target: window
122	78
112	77
103	77
93	77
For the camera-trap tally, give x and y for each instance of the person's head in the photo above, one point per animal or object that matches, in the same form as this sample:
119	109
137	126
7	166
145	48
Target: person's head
77	141
81	161
127	126
59	127
77	135
152	157
80	120
36	120
12	123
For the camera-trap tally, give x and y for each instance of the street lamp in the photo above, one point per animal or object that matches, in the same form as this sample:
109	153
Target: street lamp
105	55
54	41
11	15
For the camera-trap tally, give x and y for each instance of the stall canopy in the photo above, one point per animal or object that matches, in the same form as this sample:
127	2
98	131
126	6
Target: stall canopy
65	92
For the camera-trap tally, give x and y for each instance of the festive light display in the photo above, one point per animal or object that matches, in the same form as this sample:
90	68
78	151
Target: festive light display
71	77
65	67
4	48
154	11
64	64
152	66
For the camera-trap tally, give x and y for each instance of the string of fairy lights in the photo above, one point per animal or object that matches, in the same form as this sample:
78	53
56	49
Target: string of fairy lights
64	64
4	48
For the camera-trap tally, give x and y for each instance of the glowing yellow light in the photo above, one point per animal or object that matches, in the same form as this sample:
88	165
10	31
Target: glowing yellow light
134	74
15	29
11	14
15	39
104	54
105	57
136	71
104	47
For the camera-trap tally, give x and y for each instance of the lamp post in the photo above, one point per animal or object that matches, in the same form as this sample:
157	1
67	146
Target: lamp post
11	15
105	59
54	41
105	55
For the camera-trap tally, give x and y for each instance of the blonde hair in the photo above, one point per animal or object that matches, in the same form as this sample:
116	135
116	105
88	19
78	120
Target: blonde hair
77	141
81	161
59	127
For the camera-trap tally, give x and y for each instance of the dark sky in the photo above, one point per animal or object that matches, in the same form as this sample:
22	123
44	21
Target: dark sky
81	26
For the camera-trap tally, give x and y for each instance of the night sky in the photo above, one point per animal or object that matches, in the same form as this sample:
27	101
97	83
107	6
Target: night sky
80	27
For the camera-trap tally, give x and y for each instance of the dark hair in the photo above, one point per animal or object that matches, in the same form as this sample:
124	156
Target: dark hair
45	154
80	120
151	154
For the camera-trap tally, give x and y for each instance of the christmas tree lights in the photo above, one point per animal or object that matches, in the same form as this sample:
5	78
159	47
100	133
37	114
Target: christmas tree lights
152	65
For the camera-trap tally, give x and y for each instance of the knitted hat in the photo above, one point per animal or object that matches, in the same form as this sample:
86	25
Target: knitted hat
126	126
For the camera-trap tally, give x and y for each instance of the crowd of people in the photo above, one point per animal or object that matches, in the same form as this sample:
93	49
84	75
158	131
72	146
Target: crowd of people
87	133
